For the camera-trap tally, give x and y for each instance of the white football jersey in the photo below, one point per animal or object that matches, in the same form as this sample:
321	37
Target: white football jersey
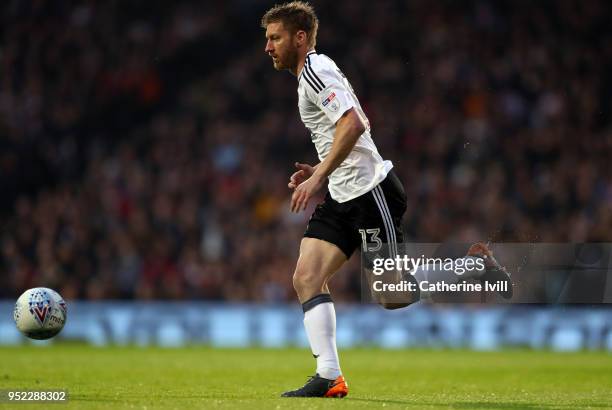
324	95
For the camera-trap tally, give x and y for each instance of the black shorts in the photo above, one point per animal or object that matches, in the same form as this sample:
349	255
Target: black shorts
365	222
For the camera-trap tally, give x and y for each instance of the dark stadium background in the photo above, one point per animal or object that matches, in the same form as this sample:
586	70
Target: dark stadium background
145	150
145	146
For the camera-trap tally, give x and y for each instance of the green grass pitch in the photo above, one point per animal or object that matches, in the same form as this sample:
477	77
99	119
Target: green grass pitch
206	378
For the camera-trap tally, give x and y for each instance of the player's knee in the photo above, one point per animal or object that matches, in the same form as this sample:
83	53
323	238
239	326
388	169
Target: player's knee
391	302
394	305
305	279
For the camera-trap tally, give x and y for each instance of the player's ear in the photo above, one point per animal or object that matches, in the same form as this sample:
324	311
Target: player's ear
300	38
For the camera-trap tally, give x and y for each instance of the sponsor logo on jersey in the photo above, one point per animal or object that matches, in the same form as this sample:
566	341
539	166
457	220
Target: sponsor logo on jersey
329	99
331	102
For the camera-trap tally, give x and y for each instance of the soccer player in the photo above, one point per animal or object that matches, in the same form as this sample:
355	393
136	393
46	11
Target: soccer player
365	200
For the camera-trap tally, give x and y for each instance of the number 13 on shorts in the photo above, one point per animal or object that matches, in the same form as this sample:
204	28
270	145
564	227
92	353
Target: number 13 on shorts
372	245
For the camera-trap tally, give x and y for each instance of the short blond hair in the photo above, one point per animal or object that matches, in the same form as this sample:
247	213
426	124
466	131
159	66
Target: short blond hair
296	15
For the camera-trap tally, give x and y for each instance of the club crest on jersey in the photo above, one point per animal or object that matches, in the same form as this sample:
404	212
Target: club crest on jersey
331	103
40	304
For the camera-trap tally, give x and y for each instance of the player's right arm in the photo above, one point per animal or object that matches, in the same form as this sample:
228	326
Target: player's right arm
328	89
348	130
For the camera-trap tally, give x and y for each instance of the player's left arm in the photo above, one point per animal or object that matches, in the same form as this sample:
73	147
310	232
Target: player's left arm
349	128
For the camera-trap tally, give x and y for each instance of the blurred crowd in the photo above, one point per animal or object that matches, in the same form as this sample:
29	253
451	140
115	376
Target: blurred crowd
145	147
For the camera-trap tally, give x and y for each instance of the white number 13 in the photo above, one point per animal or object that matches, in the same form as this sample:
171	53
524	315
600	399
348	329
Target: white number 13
374	240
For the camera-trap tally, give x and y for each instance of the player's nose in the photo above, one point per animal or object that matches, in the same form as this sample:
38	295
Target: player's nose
268	48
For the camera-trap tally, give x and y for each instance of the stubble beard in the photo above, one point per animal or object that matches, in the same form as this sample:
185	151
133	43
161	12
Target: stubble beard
289	62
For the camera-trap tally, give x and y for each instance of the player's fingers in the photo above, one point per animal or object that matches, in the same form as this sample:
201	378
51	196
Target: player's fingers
302	167
297	175
298	201
299	197
295	200
294	180
305	202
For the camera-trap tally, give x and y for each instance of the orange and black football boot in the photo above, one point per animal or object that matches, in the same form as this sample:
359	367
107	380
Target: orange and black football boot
494	271
317	386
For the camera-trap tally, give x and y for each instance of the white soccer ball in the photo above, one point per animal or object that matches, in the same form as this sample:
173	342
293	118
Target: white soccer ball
40	313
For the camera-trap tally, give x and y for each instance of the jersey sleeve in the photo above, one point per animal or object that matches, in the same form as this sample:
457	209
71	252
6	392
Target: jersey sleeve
327	88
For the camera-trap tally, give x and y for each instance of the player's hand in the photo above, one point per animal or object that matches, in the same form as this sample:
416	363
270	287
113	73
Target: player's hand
304	172
305	191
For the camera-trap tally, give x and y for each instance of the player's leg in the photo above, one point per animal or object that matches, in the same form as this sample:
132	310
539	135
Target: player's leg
432	274
327	244
379	227
382	212
317	262
491	271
